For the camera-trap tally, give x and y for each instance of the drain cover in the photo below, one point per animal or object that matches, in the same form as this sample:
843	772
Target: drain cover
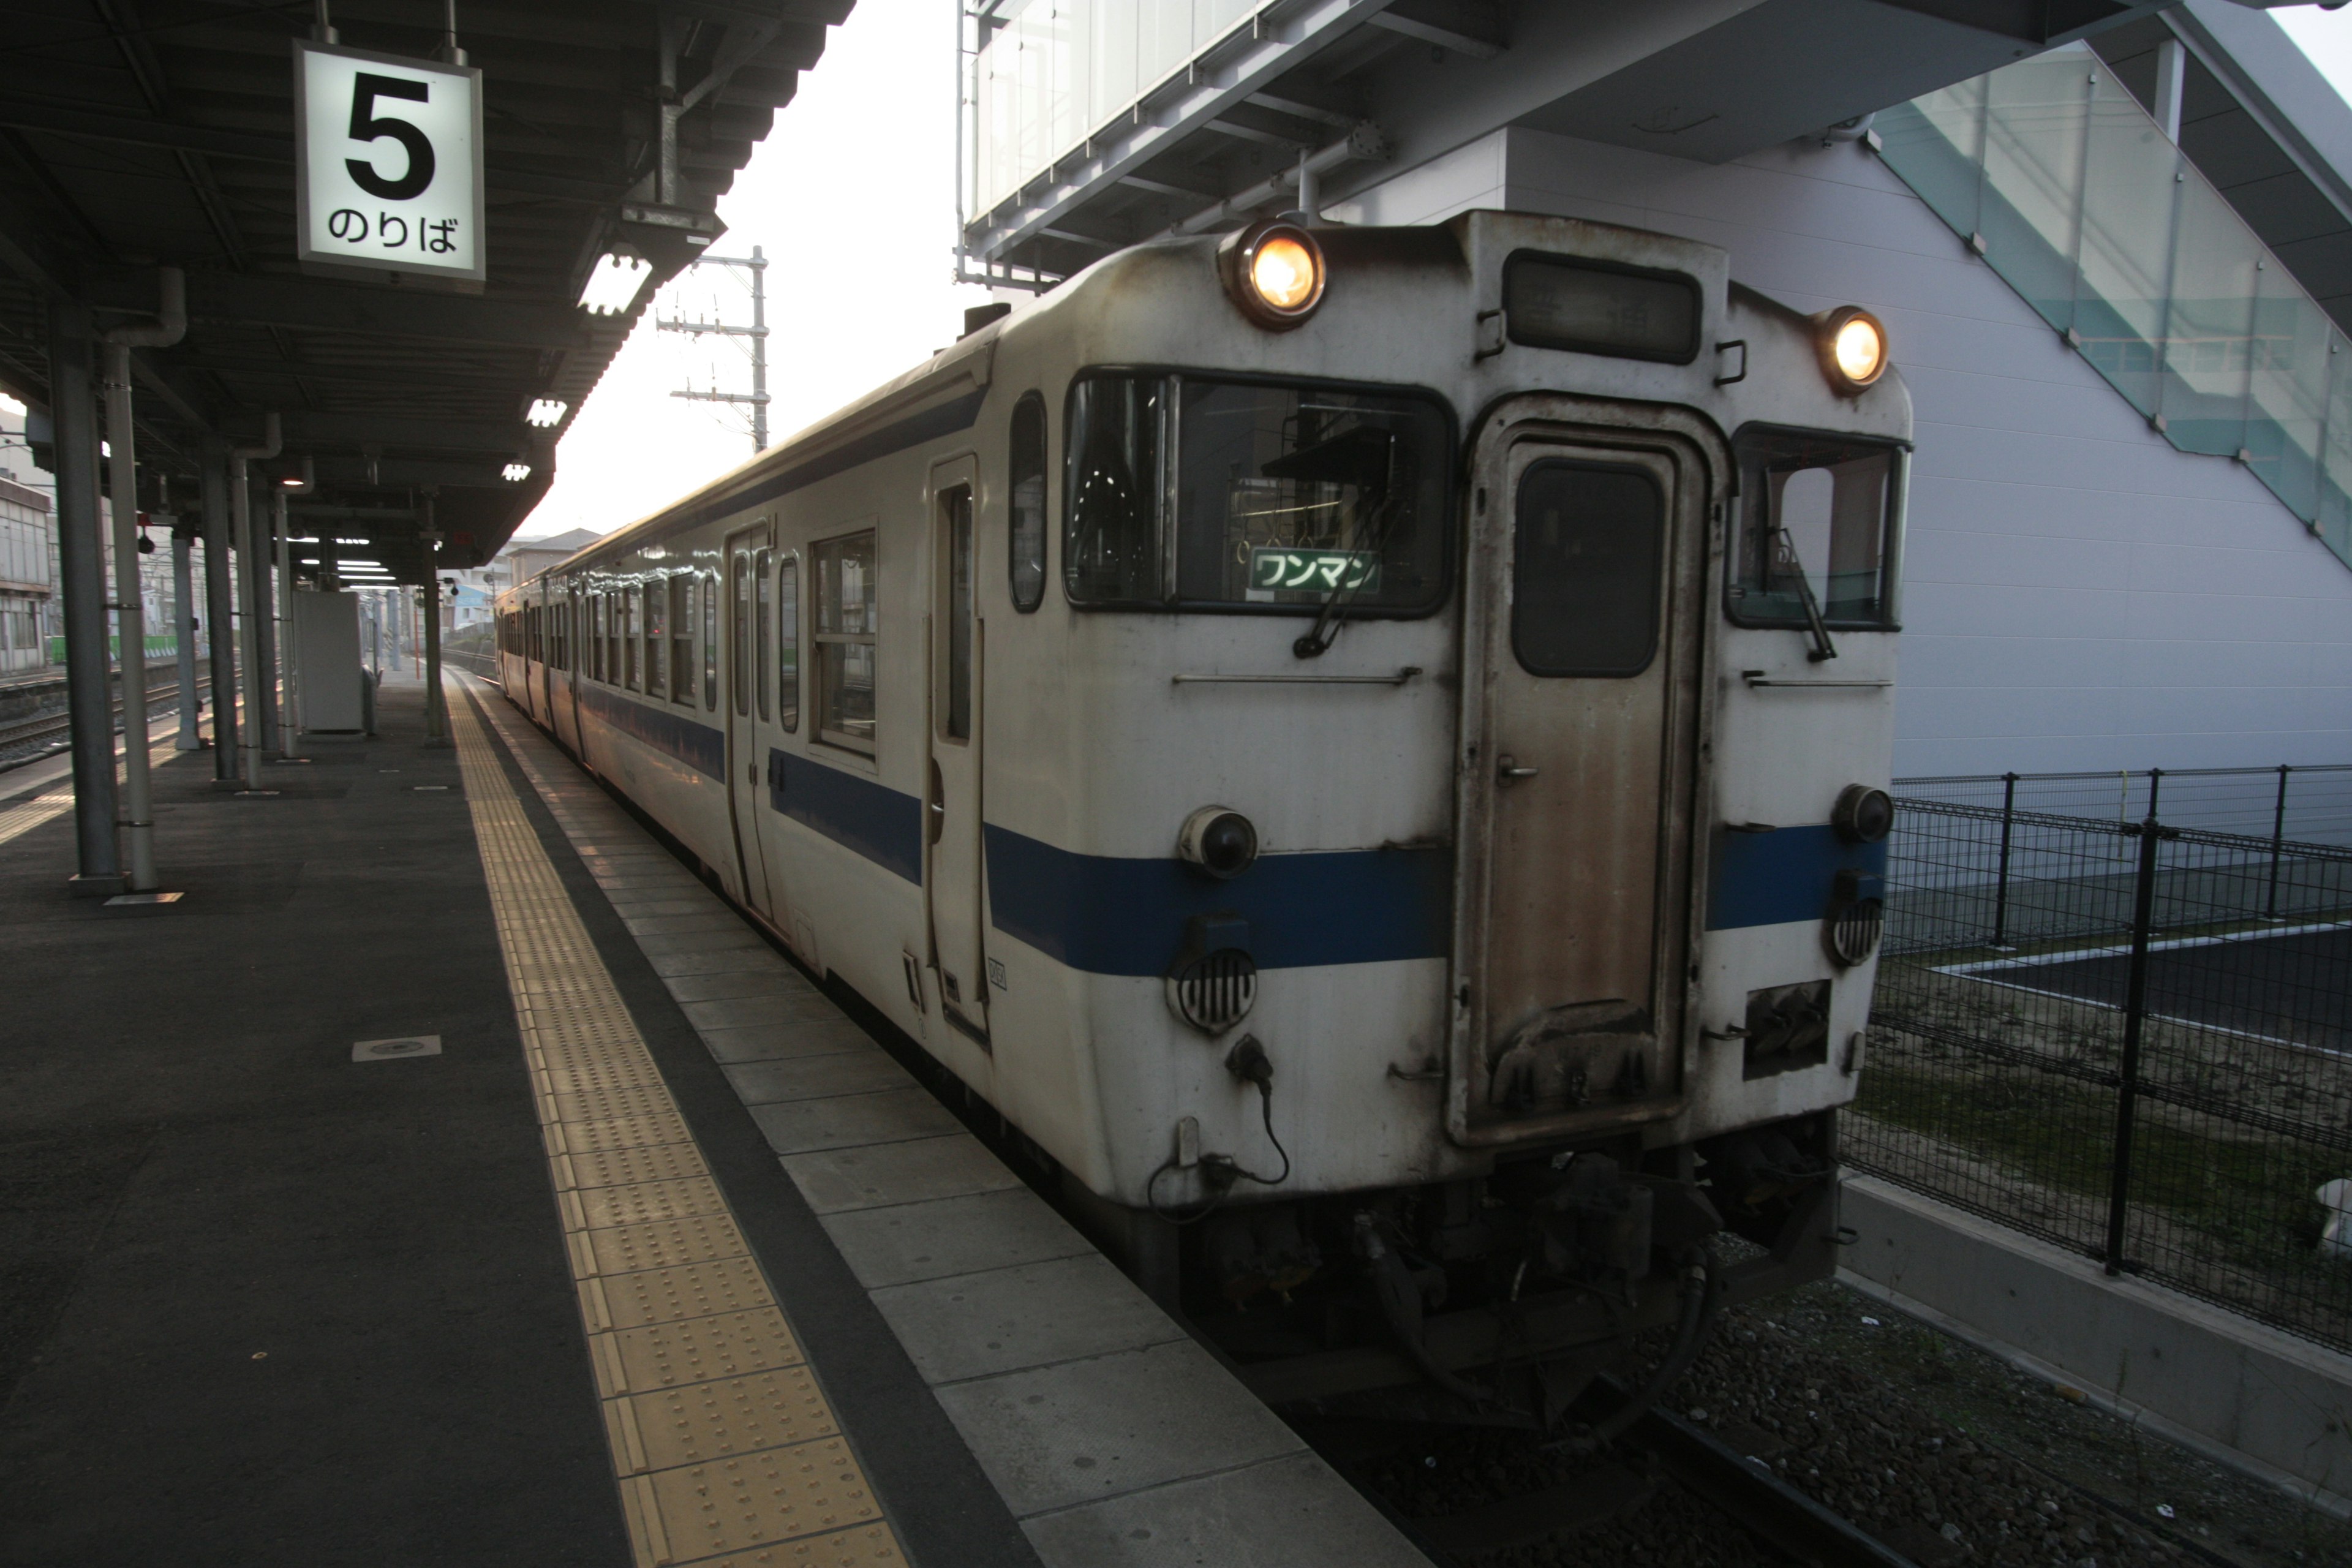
406	1046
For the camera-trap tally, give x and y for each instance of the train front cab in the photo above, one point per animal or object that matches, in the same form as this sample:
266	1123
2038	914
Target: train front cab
1671	674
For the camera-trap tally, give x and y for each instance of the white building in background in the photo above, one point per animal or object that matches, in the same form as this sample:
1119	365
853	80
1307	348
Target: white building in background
31	614
2117	282
523	559
26	540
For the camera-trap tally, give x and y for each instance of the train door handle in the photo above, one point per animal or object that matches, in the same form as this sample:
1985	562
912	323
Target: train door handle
938	804
1508	769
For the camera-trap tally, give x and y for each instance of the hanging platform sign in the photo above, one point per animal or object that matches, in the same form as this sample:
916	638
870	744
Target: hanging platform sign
388	175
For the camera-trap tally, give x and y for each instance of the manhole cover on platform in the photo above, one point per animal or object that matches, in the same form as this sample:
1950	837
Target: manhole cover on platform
389	1050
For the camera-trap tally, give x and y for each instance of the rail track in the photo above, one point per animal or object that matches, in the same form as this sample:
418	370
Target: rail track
1658	1447
42	725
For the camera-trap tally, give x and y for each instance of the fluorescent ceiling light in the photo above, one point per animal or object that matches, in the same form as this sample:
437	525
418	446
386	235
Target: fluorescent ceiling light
515	473
613	285
354	541
546	412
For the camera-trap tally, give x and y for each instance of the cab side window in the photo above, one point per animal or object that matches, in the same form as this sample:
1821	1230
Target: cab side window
1026	535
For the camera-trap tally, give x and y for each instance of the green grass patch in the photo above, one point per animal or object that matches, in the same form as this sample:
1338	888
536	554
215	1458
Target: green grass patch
2253	1197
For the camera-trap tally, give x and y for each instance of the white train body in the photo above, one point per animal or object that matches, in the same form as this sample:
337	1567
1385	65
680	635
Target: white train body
1524	884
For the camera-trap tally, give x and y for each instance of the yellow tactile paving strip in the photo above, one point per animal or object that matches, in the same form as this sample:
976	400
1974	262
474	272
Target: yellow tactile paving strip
724	1447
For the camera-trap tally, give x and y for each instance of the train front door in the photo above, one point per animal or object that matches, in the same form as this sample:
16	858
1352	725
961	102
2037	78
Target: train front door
1584	614
952	808
751	617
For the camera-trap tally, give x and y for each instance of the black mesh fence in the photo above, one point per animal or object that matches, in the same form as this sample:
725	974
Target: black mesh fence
2306	805
2126	1037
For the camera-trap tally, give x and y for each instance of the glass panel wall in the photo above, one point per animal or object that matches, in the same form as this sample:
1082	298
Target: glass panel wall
2081	204
1053	72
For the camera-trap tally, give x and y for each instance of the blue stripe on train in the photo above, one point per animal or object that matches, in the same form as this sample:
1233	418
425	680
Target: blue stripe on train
1113	915
874	819
1117	916
1783	876
698	746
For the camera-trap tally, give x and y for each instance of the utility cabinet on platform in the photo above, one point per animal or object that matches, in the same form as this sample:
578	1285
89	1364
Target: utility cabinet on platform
327	655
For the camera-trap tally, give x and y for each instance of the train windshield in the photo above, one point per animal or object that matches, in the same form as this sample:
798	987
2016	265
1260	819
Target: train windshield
1817	531
1284	496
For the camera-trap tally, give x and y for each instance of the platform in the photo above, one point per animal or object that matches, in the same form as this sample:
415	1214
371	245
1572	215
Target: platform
450	1176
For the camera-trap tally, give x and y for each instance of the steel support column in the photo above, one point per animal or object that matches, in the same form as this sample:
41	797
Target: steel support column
130	621
81	566
249	737
220	606
289	721
265	622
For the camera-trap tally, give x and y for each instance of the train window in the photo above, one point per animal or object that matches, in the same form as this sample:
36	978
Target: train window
629	636
710	642
739	677
1286	496
681	637
1110	549
657	636
596	635
1586	555
1026	535
1817	531
788	643
763	593
958	717
845	639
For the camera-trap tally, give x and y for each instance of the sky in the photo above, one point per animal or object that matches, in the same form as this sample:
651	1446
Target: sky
852	198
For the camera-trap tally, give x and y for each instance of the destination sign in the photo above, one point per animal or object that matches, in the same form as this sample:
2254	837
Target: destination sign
1314	571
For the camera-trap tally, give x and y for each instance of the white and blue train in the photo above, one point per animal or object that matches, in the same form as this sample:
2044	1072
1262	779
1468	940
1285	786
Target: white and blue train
1366	746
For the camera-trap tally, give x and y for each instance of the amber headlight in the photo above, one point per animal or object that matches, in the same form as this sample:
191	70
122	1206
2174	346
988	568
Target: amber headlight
1274	272
1852	346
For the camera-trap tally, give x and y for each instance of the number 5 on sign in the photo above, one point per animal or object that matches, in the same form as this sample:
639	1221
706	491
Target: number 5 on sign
389	163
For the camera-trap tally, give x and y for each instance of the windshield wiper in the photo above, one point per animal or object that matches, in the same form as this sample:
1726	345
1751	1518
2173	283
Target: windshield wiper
1784	557
1363	457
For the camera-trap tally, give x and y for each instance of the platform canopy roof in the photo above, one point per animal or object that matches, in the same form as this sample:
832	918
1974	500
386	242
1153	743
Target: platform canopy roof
1079	139
136	134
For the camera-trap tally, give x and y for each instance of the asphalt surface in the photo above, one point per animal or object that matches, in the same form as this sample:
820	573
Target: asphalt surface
2296	988
262	1303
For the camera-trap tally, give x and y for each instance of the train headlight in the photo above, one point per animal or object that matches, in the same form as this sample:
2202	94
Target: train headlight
1852	346
1863	815
1219	840
1274	271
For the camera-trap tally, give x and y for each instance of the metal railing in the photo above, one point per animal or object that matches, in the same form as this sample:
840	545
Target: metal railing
2132	1038
2052	171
